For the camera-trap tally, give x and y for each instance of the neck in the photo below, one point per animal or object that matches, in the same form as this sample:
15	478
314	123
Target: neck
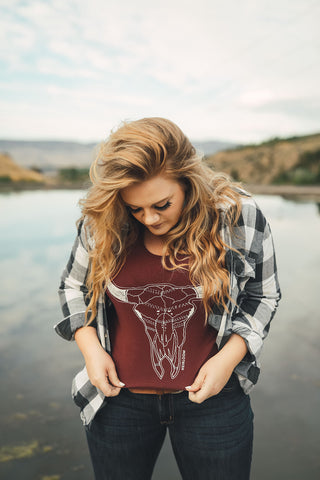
153	243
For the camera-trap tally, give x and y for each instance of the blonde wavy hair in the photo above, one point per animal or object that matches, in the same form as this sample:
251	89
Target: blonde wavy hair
135	152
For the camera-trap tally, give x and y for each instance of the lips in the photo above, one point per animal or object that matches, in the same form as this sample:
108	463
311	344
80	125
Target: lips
156	226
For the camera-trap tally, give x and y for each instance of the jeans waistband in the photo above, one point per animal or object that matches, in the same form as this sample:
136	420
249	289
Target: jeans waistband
154	391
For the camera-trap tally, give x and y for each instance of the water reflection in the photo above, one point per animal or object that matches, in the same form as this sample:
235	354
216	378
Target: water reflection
37	415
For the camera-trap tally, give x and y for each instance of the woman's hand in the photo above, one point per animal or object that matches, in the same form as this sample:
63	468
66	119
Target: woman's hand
102	373
215	373
100	366
211	379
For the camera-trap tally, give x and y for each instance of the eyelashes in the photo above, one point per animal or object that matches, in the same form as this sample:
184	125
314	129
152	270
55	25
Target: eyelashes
161	209
164	207
133	210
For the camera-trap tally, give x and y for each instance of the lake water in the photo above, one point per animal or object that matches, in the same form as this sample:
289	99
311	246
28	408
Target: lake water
41	433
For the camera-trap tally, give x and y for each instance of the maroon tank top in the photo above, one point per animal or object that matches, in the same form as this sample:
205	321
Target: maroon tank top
158	334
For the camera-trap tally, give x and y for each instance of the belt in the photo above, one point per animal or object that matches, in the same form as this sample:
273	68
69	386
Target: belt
153	391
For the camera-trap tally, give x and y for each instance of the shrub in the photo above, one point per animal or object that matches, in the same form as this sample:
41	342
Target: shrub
74	175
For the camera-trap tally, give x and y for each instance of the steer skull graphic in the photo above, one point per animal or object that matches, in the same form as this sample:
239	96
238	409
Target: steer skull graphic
165	311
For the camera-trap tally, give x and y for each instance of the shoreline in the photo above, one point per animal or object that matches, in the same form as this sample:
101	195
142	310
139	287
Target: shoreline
300	192
295	192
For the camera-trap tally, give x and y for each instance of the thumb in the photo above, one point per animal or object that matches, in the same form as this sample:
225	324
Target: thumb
113	377
196	386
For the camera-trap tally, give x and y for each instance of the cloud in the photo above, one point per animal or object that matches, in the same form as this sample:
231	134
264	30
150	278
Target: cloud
256	98
216	63
55	68
307	107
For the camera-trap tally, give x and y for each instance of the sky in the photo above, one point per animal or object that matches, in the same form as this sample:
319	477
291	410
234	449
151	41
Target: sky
233	70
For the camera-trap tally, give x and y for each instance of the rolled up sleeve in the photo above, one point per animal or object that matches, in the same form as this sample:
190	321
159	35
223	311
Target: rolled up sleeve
258	300
73	293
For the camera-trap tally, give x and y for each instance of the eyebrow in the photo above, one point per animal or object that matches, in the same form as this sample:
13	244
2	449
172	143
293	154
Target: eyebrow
153	205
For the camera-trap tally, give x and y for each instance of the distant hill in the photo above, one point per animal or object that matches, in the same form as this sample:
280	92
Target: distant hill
211	147
49	155
293	160
290	161
52	155
11	172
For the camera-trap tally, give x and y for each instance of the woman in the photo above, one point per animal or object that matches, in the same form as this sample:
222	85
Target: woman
169	293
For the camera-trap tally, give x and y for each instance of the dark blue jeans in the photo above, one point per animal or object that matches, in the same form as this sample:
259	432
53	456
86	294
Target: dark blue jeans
210	441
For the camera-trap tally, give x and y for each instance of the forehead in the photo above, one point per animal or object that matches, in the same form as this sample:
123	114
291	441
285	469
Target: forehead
149	192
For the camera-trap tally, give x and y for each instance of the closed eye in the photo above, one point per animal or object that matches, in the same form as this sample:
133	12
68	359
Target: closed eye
134	210
160	208
164	207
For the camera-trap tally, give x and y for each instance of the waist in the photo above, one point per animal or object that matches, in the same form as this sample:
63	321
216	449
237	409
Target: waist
153	391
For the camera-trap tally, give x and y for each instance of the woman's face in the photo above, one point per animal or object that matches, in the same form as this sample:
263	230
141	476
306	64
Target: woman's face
157	203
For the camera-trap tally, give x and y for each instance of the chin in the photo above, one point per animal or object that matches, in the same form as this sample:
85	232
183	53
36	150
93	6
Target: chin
158	231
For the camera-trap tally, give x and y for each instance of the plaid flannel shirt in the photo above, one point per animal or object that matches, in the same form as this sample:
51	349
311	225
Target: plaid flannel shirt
254	289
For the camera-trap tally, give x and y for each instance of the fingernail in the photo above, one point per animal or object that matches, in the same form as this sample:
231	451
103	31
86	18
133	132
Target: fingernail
121	384
188	388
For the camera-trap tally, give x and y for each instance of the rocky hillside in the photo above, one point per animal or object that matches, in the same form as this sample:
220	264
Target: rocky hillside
277	163
53	155
10	172
294	160
49	155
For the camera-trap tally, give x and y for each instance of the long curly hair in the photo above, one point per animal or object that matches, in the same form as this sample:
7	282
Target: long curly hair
137	151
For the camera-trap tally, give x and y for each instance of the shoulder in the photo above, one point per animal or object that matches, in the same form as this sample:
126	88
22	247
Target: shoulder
251	215
248	232
84	233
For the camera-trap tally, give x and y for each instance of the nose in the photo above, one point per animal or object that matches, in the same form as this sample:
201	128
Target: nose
150	218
